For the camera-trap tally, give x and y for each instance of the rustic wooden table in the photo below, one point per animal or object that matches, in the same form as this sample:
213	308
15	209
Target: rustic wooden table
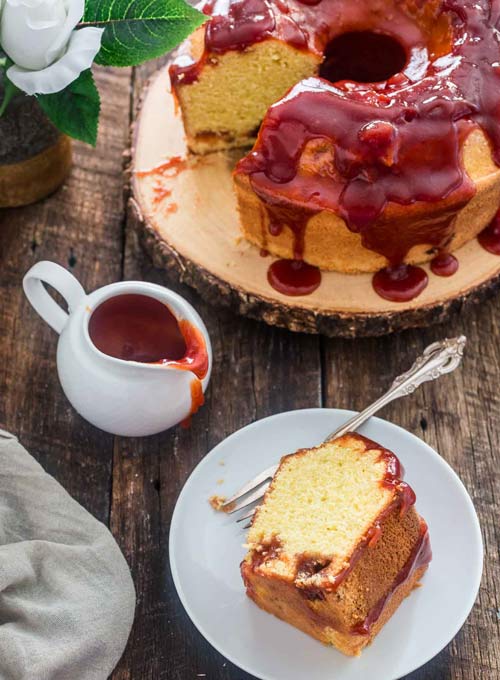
132	485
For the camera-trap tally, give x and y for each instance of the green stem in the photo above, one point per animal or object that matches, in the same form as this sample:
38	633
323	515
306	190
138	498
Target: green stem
10	90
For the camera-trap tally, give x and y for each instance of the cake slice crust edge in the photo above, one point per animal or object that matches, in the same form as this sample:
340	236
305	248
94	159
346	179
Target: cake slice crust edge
346	608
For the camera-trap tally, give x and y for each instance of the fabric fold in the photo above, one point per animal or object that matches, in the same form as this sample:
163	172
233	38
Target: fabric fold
67	598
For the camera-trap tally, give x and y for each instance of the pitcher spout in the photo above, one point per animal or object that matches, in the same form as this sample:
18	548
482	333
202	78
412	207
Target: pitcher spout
145	331
195	359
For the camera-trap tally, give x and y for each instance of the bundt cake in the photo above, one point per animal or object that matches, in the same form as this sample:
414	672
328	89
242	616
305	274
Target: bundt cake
336	544
378	125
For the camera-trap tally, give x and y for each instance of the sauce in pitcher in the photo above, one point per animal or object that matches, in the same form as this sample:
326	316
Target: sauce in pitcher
137	328
140	328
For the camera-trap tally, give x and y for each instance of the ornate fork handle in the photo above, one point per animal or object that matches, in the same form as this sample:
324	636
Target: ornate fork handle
438	359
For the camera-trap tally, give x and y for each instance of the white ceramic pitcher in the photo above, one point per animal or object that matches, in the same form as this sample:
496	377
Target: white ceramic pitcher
127	398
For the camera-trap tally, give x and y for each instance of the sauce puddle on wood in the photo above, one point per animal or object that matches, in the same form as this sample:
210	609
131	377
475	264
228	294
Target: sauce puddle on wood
489	238
294	277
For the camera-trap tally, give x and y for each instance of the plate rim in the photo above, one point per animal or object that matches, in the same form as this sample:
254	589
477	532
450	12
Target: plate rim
198	469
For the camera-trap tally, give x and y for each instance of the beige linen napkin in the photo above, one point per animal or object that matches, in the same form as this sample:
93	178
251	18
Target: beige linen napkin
66	595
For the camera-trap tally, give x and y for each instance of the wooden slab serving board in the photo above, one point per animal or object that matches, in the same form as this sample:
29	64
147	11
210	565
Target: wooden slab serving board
185	211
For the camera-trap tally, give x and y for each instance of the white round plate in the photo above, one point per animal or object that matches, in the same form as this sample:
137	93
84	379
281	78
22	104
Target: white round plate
206	549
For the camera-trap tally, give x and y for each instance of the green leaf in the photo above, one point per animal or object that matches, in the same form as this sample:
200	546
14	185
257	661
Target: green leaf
138	30
75	110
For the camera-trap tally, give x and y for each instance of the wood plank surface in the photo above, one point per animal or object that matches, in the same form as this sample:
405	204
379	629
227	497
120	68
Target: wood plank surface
80	227
132	484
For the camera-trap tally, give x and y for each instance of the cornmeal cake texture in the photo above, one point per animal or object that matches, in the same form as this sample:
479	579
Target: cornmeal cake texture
224	100
337	543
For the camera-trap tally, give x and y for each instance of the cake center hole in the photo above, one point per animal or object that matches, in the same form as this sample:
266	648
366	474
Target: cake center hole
364	57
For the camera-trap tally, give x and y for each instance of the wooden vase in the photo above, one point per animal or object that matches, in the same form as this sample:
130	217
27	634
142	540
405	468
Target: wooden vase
35	158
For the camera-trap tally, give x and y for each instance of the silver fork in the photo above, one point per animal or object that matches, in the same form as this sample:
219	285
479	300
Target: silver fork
437	360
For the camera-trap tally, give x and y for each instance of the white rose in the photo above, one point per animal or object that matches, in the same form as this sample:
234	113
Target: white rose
40	38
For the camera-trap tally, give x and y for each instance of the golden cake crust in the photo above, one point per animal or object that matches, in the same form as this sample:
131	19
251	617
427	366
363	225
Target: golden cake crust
341	599
324	619
331	245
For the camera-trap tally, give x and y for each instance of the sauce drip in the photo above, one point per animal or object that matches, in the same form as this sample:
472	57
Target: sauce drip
293	277
394	472
404	498
420	556
400	284
489	239
444	264
385	144
392	143
374	535
245	23
197	401
267	550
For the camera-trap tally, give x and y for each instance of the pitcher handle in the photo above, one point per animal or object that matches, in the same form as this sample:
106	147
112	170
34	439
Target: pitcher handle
63	282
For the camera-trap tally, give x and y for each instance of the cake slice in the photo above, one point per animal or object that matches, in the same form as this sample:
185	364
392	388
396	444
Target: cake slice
337	543
224	92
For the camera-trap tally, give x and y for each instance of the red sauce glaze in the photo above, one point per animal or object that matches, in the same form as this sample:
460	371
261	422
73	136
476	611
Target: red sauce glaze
137	328
404	497
293	277
397	142
245	23
445	264
195	358
160	194
420	556
140	328
269	550
374	534
490	237
186	71
394	472
171	168
401	283
392	143
308	566
197	401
